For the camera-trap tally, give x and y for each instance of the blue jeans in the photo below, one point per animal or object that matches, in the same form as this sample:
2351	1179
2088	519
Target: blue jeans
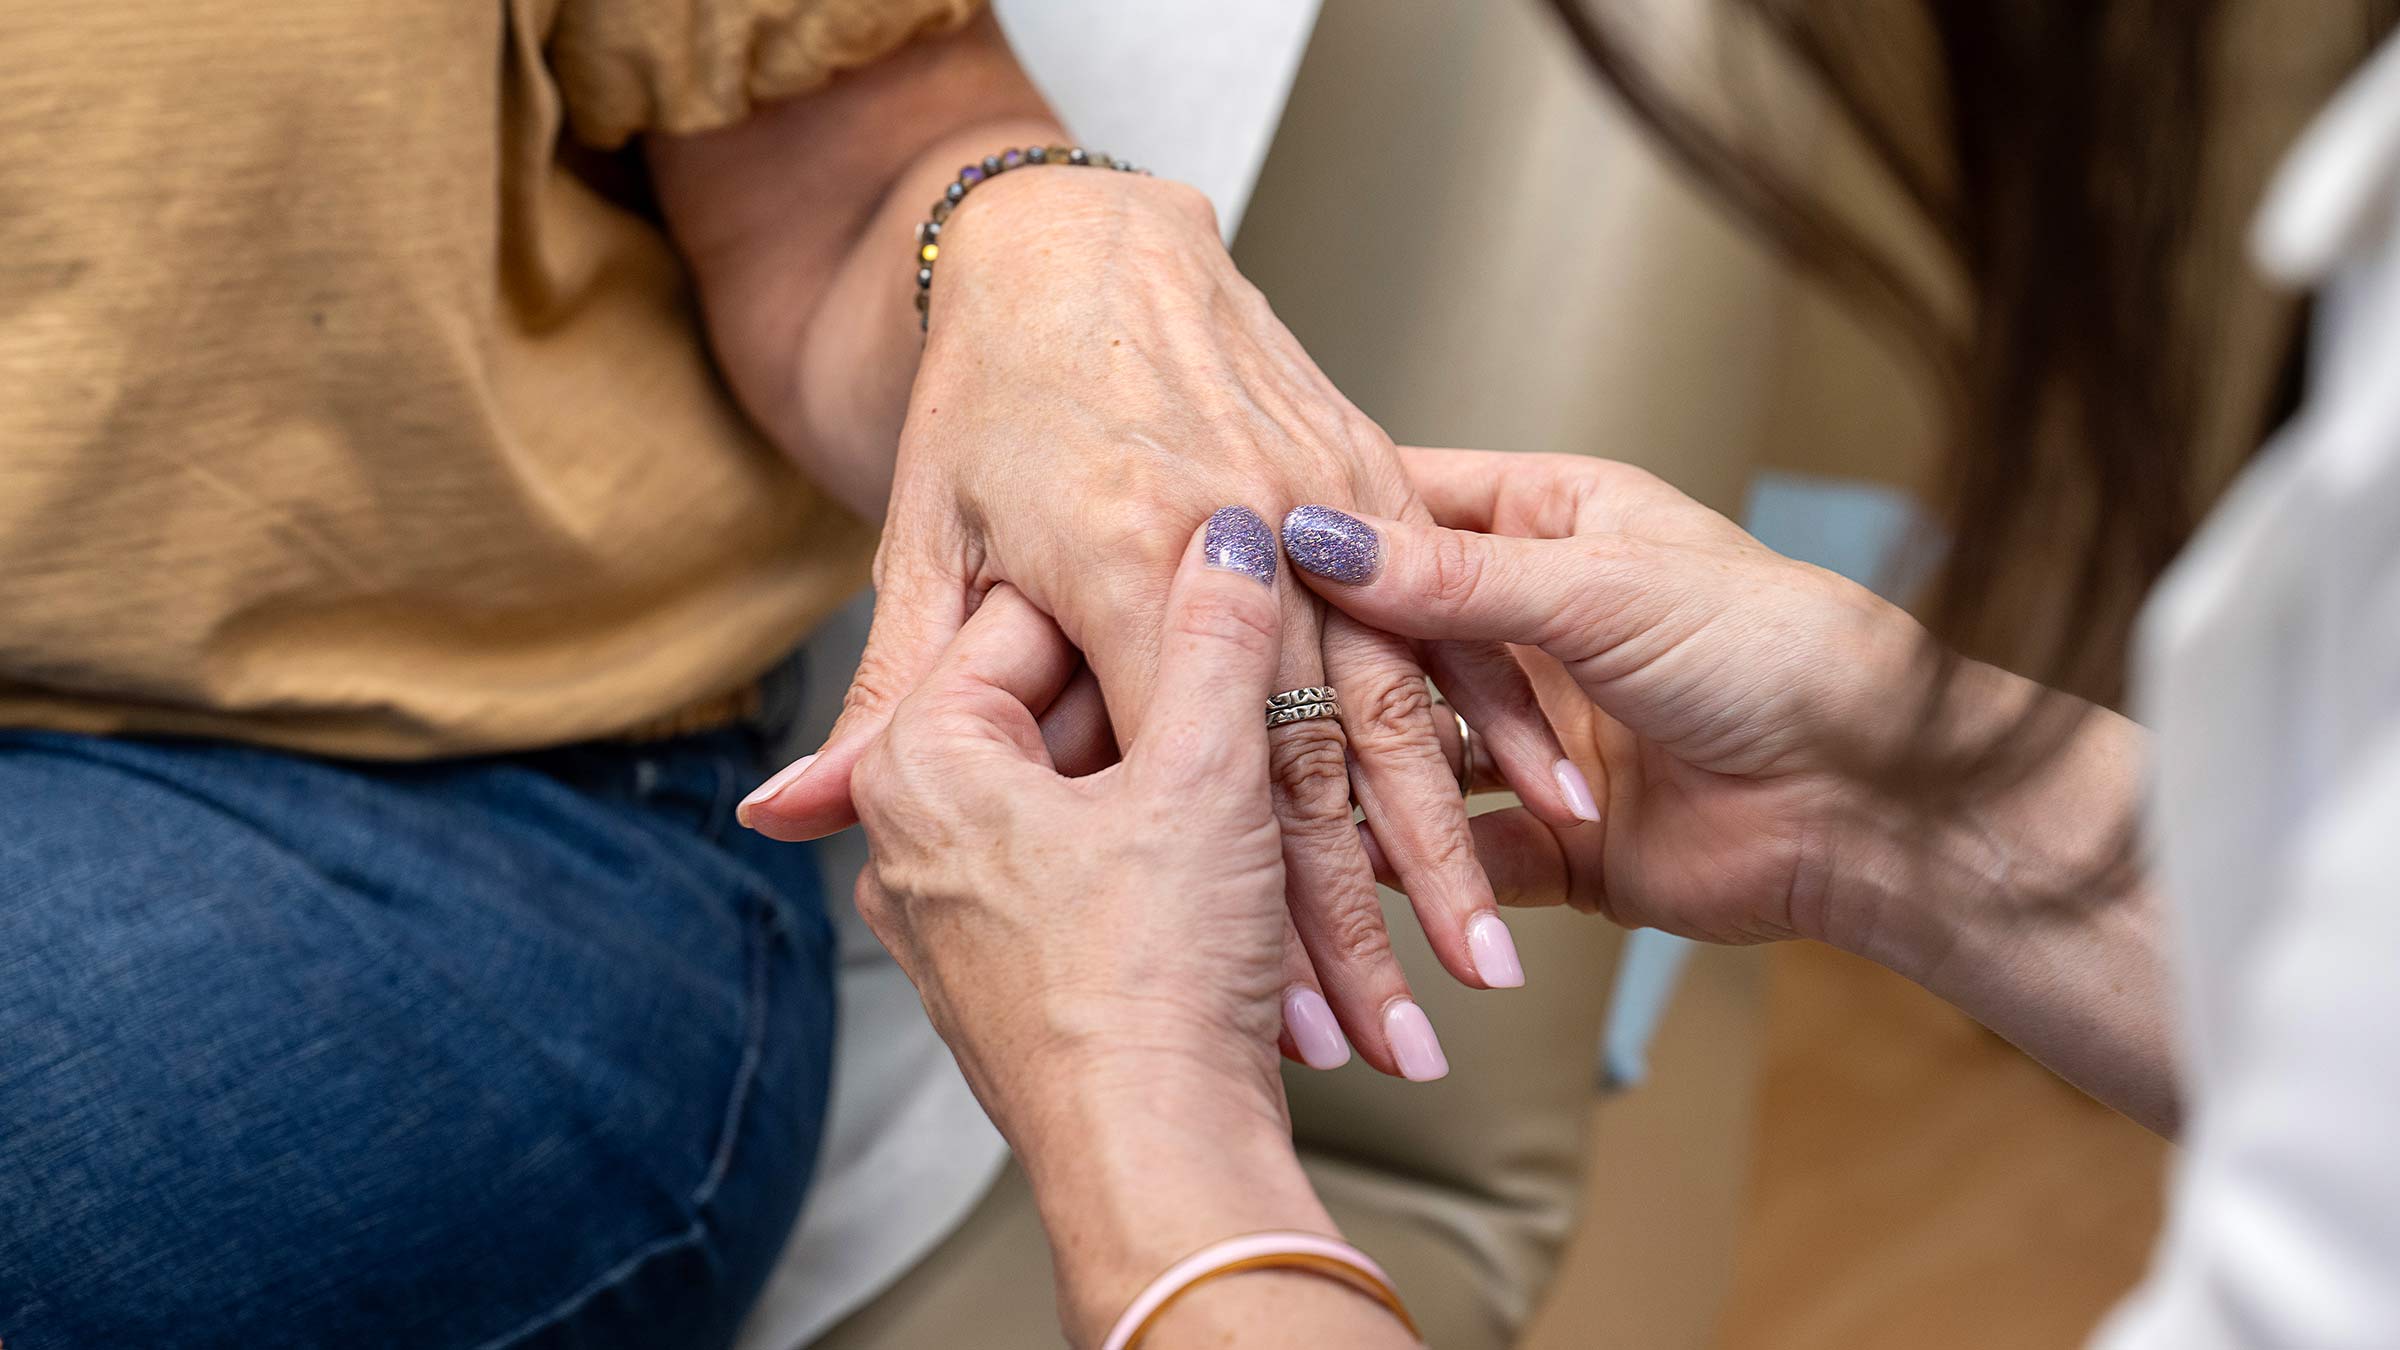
520	1051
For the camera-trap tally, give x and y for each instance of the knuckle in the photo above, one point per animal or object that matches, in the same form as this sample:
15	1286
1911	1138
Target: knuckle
902	795
1587	480
889	774
1631	480
1453	571
1248	624
1310	764
1132	523
1364	437
876	905
879	572
874	688
1560	466
872	779
1354	935
1449	851
880	793
1599	580
1585	473
1391	710
901	557
902	876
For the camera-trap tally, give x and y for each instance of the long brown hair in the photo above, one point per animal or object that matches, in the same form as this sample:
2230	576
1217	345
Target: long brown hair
2059	168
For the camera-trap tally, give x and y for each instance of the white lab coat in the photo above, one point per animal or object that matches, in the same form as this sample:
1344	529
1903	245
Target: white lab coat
2269	668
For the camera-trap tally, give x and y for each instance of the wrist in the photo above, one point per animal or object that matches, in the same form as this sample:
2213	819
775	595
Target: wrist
1015	236
1939	897
828	374
1041	204
1133	1173
2035	919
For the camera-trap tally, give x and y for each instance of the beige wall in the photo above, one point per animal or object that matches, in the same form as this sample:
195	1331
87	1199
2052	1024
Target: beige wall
1481	251
1459	229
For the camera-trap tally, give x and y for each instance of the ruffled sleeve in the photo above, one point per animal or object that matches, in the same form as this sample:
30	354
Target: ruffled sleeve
625	67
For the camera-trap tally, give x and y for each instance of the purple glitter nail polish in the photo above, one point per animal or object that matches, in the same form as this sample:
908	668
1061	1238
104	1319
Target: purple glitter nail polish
1239	541
1322	540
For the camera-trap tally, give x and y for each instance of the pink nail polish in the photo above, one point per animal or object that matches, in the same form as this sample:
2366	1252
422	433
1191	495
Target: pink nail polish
1413	1043
1576	789
1495	952
1314	1032
790	775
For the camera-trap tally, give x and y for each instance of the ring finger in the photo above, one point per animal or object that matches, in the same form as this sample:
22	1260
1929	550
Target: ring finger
1334	905
1410	794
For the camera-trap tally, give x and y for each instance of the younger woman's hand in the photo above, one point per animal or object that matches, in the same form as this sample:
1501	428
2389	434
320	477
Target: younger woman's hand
1730	704
1098	377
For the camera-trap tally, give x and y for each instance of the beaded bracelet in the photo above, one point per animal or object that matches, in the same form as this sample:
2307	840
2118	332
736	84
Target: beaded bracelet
929	233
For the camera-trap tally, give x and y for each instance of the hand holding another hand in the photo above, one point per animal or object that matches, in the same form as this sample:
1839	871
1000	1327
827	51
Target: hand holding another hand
1737	711
1104	954
1098	377
1130	918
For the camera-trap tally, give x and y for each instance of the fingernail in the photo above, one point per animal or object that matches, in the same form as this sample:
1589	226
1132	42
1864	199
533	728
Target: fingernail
1239	541
1318	1037
1576	789
1322	540
758	795
1413	1043
1495	953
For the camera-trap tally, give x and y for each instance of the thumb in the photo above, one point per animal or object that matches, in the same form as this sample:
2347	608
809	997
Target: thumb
917	612
1571	597
1216	666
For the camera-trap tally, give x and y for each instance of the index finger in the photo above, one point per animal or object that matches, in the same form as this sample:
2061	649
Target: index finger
1424	581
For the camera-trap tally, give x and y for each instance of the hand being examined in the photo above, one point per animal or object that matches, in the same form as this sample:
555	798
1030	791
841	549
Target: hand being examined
1097	380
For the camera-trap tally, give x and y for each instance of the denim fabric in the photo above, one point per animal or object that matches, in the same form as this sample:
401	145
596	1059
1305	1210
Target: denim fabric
520	1051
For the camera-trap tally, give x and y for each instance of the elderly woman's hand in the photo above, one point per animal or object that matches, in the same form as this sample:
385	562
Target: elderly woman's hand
1105	955
1097	377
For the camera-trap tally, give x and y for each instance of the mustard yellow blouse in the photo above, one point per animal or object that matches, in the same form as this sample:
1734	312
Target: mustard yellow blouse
337	413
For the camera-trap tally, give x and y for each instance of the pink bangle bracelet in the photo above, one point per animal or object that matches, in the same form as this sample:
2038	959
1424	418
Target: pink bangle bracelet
1306	1253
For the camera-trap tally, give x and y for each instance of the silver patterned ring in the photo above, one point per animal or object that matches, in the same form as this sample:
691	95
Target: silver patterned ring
1302	704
